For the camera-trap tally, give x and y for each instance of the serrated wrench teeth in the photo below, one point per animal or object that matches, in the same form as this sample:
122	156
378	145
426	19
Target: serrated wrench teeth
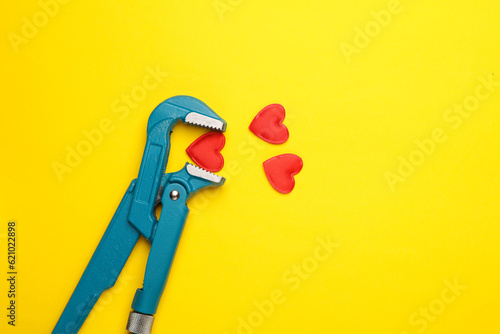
204	174
205	121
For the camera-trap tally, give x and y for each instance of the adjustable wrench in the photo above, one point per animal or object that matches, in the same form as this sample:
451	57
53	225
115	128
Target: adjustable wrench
135	217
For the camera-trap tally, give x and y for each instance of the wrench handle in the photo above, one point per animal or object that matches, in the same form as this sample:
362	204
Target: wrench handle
153	165
163	248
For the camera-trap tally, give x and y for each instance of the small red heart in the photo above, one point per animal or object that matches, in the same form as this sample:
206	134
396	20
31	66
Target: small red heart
205	151
280	171
268	124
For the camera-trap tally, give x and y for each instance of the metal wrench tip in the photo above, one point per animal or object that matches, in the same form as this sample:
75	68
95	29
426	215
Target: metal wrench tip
205	122
203	173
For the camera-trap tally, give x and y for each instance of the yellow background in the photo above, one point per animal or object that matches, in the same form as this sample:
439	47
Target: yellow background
349	121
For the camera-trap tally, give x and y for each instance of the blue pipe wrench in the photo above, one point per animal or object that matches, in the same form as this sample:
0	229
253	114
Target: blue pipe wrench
135	217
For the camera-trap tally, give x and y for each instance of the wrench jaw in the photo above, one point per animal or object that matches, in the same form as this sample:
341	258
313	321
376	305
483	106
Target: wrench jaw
203	175
195	178
203	121
188	110
176	109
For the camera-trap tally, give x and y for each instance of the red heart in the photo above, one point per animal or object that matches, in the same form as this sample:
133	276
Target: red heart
280	171
205	151
268	124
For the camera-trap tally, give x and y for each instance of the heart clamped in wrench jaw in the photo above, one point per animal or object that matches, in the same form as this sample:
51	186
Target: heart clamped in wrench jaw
161	122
